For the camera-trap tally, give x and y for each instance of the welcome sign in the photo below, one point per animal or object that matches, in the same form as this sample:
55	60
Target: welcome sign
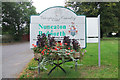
59	22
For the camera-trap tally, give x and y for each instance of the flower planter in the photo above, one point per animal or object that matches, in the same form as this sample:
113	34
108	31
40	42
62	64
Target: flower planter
76	55
37	56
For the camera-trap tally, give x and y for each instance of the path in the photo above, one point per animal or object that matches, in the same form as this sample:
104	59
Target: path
14	59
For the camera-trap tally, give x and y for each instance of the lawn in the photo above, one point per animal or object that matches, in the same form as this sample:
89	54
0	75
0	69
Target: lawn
89	65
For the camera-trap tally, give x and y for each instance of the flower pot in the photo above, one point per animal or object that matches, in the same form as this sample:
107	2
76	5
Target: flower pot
76	55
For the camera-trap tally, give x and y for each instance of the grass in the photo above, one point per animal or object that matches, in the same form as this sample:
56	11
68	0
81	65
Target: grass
110	38
89	69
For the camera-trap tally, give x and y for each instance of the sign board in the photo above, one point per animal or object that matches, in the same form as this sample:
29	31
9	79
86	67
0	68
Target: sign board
92	30
59	22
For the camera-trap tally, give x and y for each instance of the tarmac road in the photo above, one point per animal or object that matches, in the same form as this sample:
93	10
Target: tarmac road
14	59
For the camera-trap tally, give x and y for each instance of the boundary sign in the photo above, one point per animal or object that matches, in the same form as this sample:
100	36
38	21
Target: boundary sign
59	22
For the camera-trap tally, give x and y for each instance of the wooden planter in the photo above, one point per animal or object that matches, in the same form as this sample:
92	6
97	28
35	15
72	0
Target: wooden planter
76	55
37	56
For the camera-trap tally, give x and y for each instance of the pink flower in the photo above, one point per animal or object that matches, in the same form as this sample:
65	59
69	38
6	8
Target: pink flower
85	50
68	48
65	43
68	54
82	53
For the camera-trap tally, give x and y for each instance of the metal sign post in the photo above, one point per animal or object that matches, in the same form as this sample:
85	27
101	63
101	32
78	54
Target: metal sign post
99	41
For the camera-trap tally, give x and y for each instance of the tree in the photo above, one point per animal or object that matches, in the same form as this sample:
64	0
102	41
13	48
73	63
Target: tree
16	16
108	11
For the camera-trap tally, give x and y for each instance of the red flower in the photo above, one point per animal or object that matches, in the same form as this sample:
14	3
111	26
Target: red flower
56	43
42	52
48	50
56	49
47	53
74	28
44	49
35	45
71	50
60	44
65	43
39	50
68	48
32	44
45	46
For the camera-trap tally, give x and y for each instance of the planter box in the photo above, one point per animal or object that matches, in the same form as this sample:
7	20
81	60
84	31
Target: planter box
76	55
37	56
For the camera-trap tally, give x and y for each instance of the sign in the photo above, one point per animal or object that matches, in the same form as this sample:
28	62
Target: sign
59	22
92	29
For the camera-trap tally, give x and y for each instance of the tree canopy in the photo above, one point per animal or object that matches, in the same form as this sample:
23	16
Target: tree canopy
109	12
16	18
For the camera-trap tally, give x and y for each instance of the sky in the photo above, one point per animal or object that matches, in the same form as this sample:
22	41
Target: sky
44	4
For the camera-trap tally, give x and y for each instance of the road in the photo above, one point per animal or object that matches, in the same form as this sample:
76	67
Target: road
14	59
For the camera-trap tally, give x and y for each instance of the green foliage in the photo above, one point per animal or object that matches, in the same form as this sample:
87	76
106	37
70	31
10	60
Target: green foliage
109	11
16	17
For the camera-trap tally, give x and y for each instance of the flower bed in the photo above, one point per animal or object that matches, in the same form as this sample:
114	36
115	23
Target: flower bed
48	50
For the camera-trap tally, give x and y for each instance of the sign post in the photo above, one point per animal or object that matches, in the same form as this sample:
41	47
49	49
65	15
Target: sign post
99	41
